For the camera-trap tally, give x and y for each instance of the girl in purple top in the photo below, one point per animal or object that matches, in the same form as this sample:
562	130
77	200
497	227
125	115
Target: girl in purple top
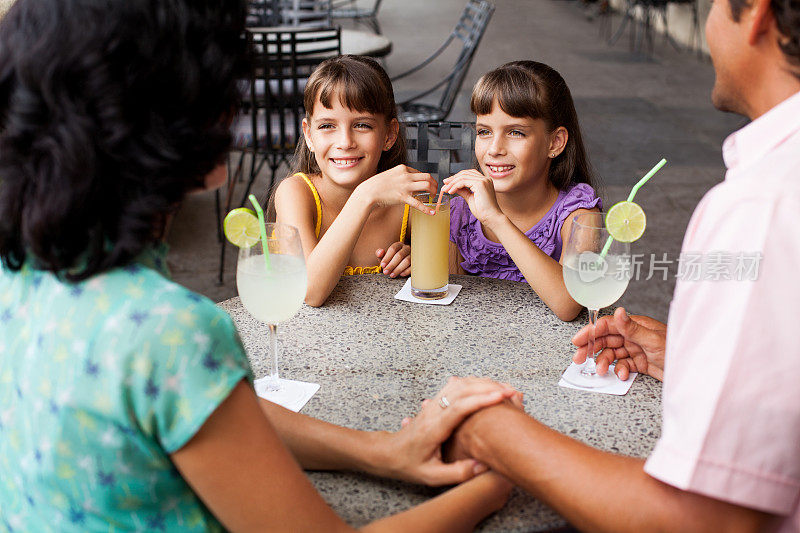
515	213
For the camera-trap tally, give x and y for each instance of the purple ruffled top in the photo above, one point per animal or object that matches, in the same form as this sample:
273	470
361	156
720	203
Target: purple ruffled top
489	259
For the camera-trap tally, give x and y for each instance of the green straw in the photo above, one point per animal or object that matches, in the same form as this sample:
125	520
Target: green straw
263	227
632	194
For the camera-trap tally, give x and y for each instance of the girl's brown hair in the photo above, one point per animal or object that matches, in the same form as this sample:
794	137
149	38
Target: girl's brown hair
535	90
362	85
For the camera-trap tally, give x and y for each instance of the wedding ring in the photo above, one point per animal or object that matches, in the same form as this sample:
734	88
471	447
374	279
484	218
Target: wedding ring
443	403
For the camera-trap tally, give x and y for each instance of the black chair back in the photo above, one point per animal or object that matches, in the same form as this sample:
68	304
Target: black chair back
440	148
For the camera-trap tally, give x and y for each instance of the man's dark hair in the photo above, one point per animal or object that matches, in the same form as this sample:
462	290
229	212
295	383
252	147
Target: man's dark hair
110	112
787	18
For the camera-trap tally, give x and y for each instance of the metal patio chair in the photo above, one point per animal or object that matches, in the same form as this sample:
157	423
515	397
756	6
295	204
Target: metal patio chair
440	148
469	30
268	126
347	9
652	10
305	13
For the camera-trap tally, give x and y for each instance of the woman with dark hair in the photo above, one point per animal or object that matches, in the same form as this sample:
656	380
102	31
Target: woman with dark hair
515	213
126	401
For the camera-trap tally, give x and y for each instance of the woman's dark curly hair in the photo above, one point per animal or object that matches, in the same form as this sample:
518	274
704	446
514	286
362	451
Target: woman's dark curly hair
110	112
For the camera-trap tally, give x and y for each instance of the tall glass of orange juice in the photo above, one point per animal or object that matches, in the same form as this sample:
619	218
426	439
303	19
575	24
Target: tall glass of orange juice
430	235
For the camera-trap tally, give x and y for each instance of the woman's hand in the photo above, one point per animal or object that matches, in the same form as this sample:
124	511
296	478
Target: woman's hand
636	342
396	186
414	453
478	191
395	260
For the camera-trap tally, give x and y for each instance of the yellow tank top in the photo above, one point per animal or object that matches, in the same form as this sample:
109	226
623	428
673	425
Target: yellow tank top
349	270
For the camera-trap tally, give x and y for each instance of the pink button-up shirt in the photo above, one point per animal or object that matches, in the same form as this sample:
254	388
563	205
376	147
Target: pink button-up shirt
731	396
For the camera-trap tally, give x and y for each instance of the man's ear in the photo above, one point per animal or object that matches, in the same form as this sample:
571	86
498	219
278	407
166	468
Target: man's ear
760	19
391	136
307	135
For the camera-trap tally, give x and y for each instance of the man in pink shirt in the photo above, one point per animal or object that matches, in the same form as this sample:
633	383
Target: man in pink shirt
729	455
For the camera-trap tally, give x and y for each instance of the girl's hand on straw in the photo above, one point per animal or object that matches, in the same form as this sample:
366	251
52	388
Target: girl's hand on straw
395	260
637	343
397	186
415	453
478	191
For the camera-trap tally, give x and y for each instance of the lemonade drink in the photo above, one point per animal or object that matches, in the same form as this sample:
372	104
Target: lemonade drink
429	249
594	284
273	295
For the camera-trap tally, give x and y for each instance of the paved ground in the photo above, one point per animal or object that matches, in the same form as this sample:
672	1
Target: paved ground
633	111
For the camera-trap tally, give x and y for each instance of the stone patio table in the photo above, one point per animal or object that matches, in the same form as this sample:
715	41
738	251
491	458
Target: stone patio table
376	358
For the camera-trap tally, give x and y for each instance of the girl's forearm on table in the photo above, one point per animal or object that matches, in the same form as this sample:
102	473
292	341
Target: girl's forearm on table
542	272
328	259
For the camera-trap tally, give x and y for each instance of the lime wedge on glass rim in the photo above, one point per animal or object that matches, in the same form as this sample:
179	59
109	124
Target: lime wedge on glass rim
625	221
241	227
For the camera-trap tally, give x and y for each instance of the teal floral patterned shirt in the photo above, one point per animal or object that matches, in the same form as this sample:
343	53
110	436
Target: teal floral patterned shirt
99	382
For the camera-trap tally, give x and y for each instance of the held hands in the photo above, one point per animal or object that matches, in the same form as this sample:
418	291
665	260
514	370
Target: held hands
636	342
395	260
397	186
478	191
415	453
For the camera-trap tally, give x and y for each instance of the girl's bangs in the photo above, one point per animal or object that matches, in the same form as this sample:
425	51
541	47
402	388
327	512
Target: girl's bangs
355	93
517	94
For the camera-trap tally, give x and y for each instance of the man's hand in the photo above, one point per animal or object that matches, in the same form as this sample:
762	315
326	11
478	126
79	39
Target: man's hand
414	452
636	342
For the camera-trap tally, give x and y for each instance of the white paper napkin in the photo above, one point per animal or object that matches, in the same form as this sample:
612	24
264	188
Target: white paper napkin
293	394
614	385
405	295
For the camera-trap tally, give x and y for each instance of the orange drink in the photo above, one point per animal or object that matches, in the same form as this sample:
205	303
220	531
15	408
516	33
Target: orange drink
429	249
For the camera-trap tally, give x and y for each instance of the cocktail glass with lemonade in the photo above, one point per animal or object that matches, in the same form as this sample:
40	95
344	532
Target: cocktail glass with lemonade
271	286
429	248
596	270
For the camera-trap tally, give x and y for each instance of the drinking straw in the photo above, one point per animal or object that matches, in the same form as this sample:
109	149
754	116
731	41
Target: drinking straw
262	226
439	201
632	194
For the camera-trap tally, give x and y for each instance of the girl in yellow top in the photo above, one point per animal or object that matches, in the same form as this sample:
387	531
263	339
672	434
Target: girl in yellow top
349	190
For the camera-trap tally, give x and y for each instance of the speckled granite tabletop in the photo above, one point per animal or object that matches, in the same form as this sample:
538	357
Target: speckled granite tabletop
377	358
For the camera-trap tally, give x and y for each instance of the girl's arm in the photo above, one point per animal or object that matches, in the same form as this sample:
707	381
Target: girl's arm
327	257
238	466
541	271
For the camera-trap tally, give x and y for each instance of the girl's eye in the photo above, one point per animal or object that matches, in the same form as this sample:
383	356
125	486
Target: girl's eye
363	126
516	133
325	126
483	132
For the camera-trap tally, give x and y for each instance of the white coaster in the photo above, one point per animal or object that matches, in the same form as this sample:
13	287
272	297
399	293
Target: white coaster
293	394
612	384
405	295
